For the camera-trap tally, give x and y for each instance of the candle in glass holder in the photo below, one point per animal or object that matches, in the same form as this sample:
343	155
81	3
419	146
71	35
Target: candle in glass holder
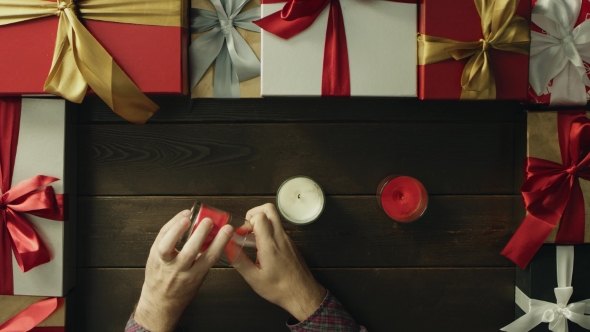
300	200
200	211
403	198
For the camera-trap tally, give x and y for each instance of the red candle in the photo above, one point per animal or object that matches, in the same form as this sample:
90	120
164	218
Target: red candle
202	211
403	198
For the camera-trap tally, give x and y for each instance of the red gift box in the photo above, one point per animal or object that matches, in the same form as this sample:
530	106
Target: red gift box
460	20
152	56
545	98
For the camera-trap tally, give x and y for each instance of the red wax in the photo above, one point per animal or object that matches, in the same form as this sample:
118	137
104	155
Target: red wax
403	198
220	218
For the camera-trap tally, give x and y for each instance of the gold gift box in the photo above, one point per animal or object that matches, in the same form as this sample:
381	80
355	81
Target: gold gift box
249	88
543	143
11	305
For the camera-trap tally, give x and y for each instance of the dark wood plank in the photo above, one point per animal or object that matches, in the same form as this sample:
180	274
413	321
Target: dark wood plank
177	109
381	299
254	159
352	232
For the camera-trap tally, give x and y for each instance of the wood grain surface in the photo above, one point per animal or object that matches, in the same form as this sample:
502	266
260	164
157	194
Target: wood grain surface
176	109
254	159
352	231
440	273
474	299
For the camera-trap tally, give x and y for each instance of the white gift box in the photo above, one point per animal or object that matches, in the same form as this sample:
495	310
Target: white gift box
46	146
381	41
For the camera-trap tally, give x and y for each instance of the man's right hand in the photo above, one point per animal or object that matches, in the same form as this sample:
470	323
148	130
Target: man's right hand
280	274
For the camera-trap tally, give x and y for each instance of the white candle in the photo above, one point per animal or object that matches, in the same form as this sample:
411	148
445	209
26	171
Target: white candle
300	200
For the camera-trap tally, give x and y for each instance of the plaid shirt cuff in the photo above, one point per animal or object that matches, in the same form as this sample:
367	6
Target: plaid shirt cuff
133	326
329	317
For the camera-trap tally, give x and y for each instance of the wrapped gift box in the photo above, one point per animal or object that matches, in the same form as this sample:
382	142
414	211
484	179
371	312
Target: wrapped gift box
154	57
12	306
459	20
539	280
545	96
248	88
543	143
46	146
381	42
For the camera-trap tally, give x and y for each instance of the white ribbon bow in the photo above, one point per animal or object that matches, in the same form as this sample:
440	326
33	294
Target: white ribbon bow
556	314
560	53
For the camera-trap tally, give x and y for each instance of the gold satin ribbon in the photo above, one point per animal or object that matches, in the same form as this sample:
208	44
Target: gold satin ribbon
501	29
79	60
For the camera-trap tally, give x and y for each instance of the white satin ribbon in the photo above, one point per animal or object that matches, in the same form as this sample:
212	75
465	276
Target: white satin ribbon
560	53
556	314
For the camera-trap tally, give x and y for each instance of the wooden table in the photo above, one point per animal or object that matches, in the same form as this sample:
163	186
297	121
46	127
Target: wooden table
441	273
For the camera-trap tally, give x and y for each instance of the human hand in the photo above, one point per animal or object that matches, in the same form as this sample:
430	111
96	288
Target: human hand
280	274
172	277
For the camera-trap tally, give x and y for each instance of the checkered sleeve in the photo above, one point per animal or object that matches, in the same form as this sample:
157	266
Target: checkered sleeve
133	326
329	317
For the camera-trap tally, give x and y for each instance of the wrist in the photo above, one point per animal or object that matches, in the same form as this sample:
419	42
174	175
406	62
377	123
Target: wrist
302	306
156	315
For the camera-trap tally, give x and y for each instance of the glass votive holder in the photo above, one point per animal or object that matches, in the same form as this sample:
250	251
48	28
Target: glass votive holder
199	211
403	198
300	200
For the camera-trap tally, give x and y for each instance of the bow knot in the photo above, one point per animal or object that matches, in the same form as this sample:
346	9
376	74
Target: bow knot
226	26
485	45
63	5
552	315
573	170
568	39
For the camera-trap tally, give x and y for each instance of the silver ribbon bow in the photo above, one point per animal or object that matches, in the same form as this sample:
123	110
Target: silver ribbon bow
560	53
234	59
556	314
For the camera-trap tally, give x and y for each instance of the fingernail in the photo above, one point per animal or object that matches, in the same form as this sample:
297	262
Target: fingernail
228	229
184	221
186	213
207	222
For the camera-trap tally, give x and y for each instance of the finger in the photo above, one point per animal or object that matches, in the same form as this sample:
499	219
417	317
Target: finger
175	219
240	261
191	249
166	245
262	230
271	213
213	253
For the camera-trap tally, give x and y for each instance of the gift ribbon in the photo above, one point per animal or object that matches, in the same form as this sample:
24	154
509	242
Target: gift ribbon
235	61
79	60
502	30
298	15
28	319
560	53
555	314
552	192
33	196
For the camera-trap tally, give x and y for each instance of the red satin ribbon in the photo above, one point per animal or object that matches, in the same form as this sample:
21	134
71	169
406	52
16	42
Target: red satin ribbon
552	192
33	196
298	15
28	319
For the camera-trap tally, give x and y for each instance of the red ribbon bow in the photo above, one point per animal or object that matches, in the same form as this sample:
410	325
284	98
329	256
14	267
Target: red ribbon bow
32	196
298	15
552	192
28	319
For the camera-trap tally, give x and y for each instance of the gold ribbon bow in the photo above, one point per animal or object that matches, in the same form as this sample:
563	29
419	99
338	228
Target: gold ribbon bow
79	60
501	30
